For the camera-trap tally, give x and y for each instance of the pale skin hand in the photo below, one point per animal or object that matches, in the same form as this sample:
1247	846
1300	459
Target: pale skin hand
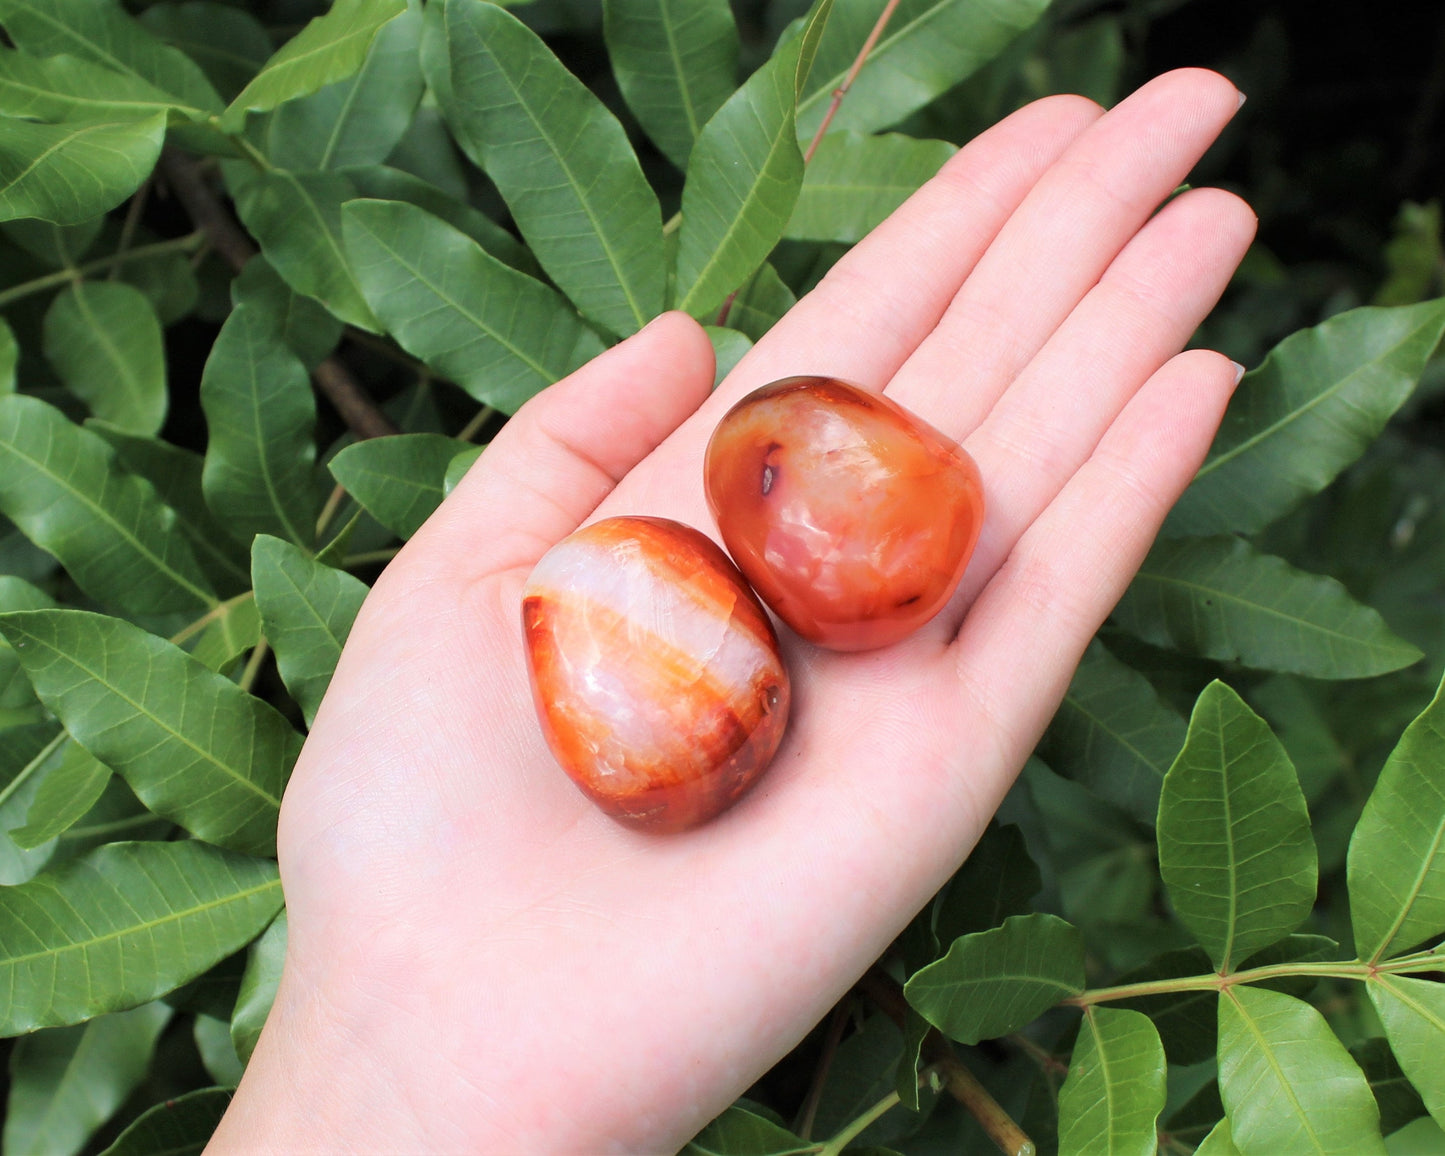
480	961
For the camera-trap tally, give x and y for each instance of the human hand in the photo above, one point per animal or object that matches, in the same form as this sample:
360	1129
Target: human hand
479	959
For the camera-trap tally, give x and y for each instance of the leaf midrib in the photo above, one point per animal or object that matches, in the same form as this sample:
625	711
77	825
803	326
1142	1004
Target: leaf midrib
283	67
787	134
1427	862
105	516
622	283
172	916
453	303
1274	1066
1295	414
1239	600
99	676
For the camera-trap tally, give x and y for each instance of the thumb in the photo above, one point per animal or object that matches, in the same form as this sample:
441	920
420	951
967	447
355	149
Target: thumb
565	450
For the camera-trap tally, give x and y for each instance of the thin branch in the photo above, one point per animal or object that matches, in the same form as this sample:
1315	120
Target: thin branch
357	409
958	1081
127	230
333	379
183	178
842	90
809	1111
188	243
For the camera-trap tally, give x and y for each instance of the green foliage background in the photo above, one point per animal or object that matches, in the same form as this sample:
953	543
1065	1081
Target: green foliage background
272	271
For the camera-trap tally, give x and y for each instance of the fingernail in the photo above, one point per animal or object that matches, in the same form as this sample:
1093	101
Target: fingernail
1241	98
1238	371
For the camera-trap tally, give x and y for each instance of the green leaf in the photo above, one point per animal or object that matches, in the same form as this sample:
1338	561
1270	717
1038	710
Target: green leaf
228	43
66	1082
104	340
25	755
994	982
125	924
761	303
863	1071
1397	854
62	487
382	183
176	475
854	181
997	880
728	348
742	182
307	609
1219	1142
1288	1084
1235	849
496	332
398	479
260	417
1398	1100
194	746
357	121
459	465
1320	397
59	88
17	594
1103	860
100	32
69	789
308	330
1413	256
75	170
9	356
1413	1012
179	1127
915	1029
1114	734
258	987
328	49
218	1055
561	161
1217	598
233	629
927	48
1115	1088
676	63
56	246
297	219
738	1132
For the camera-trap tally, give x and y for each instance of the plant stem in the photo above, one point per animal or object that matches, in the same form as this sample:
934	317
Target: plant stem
127	230
371	556
842	90
1426	961
189	242
253	664
32	766
806	1114
855	1127
220	610
469	430
958	1080
328	511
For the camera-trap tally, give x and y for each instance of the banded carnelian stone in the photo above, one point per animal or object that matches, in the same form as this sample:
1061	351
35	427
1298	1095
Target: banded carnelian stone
655	671
851	517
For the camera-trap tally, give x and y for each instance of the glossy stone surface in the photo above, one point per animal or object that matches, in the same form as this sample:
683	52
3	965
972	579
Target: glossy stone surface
851	517
655	671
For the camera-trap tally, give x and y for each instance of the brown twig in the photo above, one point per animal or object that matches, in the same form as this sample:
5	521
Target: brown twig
842	90
958	1081
333	379
809	1111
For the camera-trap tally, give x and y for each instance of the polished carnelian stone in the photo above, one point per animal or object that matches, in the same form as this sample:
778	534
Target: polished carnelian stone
655	671
851	517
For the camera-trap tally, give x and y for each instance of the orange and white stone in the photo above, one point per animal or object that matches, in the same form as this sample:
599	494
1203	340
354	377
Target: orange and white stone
852	517
655	671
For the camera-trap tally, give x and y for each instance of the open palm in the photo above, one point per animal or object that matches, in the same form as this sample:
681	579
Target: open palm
479	959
